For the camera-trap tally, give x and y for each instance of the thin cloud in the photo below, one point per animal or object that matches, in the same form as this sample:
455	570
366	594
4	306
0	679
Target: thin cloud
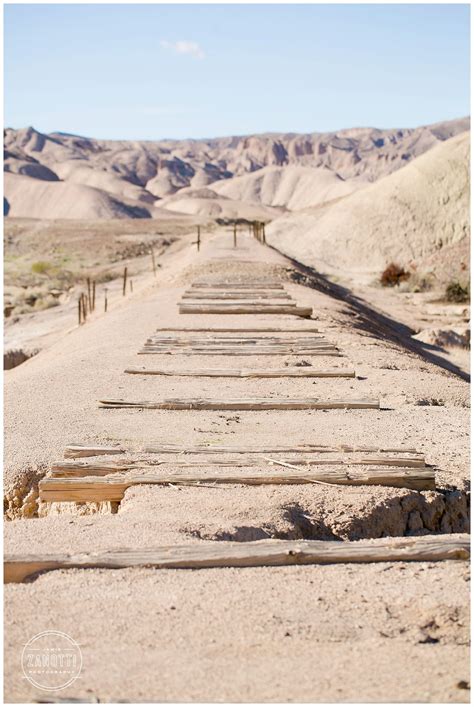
184	46
164	110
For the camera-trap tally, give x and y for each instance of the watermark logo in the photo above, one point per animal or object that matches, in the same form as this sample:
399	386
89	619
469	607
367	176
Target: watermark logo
51	660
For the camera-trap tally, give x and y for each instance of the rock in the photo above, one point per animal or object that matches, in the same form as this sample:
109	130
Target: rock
454	336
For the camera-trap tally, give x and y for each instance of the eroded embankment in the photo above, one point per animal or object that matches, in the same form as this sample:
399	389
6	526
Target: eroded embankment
391	512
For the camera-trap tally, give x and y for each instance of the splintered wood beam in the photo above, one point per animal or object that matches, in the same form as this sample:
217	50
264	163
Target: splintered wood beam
69	468
84	489
229	341
234	342
245	309
262	329
251	294
238	285
240	303
242	404
239	351
253	303
240	339
163	448
260	553
77	450
299	372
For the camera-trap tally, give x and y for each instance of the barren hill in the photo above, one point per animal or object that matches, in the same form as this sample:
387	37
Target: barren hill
137	173
292	187
37	198
209	203
416	217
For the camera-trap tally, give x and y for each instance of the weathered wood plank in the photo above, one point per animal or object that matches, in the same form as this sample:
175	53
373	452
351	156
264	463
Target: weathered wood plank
242	404
297	372
226	295
236	302
67	468
77	450
258	329
163	448
250	338
211	346
245	309
165	350
238	285
261	553
227	342
86	489
236	343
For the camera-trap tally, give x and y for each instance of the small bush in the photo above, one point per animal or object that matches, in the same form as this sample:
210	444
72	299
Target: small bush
393	275
41	267
455	292
46	303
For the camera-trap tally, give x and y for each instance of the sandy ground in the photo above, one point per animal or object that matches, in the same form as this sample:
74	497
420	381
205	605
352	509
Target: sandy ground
344	633
71	251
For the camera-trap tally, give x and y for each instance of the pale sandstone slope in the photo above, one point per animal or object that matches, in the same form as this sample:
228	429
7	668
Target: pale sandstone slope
26	197
208	203
409	217
148	170
292	187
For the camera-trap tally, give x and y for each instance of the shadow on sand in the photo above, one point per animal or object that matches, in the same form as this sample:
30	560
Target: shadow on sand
369	319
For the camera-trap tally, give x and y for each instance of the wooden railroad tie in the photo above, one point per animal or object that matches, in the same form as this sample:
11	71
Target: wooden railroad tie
240	345
112	487
237	338
103	467
261	553
243	337
241	349
237	302
262	285
241	404
164	350
83	449
240	330
245	309
299	372
235	295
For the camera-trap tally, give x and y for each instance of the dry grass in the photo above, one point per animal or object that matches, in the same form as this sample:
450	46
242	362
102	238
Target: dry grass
44	260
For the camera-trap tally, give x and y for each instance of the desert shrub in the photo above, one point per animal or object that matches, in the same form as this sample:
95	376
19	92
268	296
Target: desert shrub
393	275
107	277
41	267
46	302
455	292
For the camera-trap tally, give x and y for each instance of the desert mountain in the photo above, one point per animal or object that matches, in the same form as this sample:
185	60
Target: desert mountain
38	198
292	187
133	175
209	203
417	217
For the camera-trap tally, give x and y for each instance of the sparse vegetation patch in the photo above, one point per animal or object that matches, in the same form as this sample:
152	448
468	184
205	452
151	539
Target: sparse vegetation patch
456	292
393	275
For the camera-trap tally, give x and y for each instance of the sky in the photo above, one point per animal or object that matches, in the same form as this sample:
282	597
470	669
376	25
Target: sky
175	71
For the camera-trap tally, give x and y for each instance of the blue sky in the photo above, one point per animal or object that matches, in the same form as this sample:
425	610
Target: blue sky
157	71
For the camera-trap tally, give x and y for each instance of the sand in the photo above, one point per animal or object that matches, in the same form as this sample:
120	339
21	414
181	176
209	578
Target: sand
389	632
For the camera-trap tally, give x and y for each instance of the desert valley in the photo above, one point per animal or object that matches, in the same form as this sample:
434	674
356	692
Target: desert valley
237	414
348	204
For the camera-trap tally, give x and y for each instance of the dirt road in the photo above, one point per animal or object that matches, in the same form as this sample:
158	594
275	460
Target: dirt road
379	631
